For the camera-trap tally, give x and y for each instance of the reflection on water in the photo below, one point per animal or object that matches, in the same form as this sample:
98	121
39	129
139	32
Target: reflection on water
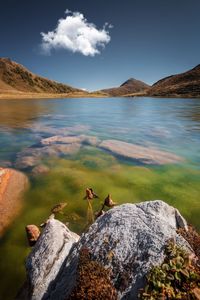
167	124
20	113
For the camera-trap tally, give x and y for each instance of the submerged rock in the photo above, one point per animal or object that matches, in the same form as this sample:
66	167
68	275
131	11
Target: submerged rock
24	162
59	139
145	155
31	157
128	240
12	185
57	145
40	169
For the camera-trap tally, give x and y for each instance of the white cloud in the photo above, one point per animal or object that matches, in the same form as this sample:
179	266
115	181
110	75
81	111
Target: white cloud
76	34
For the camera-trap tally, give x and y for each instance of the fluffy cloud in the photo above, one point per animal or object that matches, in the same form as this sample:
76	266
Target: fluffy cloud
76	34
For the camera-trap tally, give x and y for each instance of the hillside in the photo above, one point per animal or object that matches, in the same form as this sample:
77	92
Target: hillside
128	87
186	84
14	78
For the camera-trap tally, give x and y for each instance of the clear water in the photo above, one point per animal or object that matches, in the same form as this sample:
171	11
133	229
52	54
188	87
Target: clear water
167	124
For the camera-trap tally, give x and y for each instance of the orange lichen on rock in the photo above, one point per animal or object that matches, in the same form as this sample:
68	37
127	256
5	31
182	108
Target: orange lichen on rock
93	280
4	177
12	184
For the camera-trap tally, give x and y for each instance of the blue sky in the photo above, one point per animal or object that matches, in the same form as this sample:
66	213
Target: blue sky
150	39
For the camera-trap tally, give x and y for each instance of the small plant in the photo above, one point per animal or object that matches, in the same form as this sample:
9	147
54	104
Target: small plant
177	278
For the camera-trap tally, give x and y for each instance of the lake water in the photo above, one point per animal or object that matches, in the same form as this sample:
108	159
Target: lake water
171	125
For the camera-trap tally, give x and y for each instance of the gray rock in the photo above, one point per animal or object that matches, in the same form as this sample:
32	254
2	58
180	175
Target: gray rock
145	155
47	257
129	239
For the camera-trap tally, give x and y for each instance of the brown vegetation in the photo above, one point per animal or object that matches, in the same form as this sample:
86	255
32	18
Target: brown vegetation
186	84
93	280
16	79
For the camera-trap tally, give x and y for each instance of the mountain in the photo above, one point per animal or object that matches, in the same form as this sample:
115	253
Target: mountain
130	86
186	84
15	78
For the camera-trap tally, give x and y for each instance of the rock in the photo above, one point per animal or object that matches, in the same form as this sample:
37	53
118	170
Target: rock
128	240
24	162
145	155
12	185
59	149
32	157
59	139
47	257
33	233
39	170
90	140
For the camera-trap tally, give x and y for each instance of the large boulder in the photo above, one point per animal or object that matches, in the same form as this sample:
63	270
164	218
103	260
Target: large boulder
128	241
12	186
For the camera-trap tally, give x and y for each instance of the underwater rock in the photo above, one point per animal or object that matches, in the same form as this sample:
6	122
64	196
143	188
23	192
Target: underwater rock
39	170
31	157
60	139
145	155
24	162
33	233
59	149
84	139
12	185
56	145
127	240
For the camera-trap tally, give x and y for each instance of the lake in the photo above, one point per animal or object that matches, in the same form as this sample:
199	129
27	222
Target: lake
167	125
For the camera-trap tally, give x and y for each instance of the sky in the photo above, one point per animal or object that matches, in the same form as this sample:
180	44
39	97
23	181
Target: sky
99	44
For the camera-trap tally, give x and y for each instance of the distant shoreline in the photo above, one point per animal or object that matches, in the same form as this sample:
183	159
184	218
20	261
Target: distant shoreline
12	96
27	96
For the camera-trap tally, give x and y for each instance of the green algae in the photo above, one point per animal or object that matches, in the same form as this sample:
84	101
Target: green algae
66	181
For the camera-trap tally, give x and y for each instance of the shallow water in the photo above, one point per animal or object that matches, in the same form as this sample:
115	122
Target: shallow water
168	124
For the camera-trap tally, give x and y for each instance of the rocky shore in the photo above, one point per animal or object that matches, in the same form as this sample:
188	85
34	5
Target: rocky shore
109	261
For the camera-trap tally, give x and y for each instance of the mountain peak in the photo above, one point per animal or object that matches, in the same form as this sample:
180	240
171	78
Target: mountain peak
129	81
130	86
